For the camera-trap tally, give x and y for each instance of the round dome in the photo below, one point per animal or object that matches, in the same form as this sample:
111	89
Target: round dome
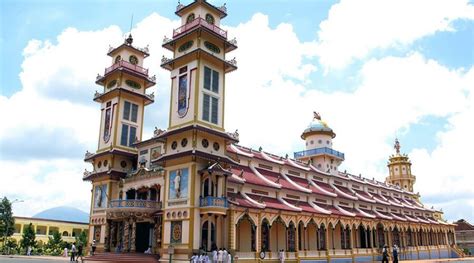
318	126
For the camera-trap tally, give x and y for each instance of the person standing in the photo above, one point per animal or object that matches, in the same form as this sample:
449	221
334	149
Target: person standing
385	254
214	255
93	246
225	254
220	255
65	254
73	252
79	253
281	256
395	253
28	251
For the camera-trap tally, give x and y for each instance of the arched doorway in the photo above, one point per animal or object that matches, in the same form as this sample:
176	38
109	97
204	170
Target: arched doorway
363	237
245	234
208	235
396	236
322	237
409	237
380	235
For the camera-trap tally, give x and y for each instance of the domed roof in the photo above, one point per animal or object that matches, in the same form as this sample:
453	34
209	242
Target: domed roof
64	213
317	126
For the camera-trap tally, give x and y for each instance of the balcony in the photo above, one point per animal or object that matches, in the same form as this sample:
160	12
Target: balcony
199	22
319	151
211	204
135	205
125	64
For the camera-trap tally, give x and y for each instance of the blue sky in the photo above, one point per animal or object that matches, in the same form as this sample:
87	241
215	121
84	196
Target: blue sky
375	72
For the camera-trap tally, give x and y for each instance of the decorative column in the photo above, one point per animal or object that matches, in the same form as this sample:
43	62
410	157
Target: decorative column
232	230
126	235
133	235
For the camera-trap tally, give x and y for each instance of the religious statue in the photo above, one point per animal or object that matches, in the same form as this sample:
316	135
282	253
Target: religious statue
397	146
177	184
98	196
316	115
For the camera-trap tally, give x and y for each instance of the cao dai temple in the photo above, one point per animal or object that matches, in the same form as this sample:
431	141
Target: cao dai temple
192	187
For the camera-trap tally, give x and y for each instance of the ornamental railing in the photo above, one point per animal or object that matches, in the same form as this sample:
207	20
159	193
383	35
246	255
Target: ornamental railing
322	150
199	22
125	64
145	204
213	201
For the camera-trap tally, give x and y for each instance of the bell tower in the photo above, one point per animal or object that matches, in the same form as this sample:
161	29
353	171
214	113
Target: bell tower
122	101
195	206
399	167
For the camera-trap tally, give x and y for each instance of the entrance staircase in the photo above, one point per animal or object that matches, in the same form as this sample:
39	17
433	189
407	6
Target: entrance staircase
121	257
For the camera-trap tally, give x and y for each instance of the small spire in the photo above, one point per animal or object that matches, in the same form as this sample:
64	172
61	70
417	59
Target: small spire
397	146
129	39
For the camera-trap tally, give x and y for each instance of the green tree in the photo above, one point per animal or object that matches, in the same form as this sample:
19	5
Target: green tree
82	239
7	222
28	237
55	241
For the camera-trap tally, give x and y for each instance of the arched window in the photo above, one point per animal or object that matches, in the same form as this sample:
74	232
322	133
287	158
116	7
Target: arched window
208	238
265	235
65	234
291	236
190	18
118	58
207	187
210	19
130	195
380	235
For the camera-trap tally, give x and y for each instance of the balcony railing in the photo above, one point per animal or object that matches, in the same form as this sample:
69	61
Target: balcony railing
323	150
199	22
146	204
213	201
125	64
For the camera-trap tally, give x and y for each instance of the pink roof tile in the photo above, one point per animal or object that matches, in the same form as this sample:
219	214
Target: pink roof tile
301	204
273	177
239	200
270	202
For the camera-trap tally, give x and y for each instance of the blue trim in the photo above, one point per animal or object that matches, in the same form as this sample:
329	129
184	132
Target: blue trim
322	150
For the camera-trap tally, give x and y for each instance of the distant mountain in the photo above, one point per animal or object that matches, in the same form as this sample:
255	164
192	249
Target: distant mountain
64	213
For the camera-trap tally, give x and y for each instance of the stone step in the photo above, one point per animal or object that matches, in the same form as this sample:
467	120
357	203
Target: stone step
121	257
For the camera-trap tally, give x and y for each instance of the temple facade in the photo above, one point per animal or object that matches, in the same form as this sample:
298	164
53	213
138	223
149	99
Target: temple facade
192	188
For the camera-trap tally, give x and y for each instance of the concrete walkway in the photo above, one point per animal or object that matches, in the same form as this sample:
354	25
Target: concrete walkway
471	259
58	258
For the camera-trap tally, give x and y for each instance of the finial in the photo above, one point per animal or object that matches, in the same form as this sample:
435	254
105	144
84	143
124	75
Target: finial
397	146
316	115
129	39
260	148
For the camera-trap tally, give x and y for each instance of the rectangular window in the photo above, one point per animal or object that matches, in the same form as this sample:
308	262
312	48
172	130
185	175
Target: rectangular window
133	134
214	110
124	136
134	112
205	107
130	108
211	80
126	111
207	78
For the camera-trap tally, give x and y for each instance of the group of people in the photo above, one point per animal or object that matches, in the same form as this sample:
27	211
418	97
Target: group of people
218	256
394	254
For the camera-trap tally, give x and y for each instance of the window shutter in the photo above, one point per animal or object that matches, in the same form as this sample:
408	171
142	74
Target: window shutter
214	110
134	112
124	136
133	134
207	78
215	81
126	111
205	107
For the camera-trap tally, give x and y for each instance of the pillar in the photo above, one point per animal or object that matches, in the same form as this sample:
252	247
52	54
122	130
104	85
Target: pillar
106	236
133	236
126	235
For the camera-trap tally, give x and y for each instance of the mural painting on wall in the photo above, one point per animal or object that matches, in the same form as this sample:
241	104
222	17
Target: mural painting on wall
183	96
155	152
176	232
100	196
178	184
97	233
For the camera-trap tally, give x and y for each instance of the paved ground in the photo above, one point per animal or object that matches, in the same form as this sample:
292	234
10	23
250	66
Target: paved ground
31	259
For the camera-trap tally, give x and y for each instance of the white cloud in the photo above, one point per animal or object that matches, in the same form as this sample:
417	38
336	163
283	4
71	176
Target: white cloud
355	28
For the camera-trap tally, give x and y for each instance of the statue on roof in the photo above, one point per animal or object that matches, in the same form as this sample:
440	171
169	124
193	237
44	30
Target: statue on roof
316	115
397	146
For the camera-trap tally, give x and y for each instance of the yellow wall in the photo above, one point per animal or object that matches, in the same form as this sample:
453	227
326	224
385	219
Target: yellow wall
44	227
